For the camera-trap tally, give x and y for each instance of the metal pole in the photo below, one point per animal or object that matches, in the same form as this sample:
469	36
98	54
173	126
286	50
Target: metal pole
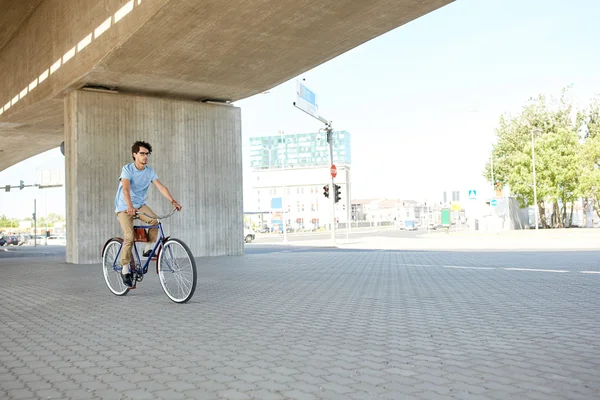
34	224
332	190
493	183
283	153
348	205
46	217
534	181
427	211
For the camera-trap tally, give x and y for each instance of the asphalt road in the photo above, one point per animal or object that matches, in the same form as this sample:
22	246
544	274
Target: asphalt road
354	234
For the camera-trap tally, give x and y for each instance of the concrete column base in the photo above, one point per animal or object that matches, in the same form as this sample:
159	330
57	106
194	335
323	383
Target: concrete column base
197	154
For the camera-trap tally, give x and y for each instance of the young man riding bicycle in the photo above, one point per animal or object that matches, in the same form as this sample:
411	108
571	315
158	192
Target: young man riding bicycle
135	180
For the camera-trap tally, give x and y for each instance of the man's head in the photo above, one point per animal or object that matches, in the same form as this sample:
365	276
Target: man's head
140	152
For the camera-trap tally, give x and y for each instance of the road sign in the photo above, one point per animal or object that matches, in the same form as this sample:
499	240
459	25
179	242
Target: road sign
333	171
493	202
306	100
472	194
276	203
446	217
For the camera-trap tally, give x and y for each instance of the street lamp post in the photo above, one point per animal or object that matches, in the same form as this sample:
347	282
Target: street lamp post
492	165
535	203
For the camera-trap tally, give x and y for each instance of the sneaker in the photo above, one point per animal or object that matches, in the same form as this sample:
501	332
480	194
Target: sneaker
127	279
147	253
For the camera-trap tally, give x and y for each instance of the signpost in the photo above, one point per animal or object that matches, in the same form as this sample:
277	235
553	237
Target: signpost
471	210
446	217
306	100
277	213
333	171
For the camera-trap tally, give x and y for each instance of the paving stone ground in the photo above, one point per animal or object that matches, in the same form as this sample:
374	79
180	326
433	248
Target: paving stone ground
309	324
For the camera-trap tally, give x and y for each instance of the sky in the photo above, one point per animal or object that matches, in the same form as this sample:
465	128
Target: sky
421	101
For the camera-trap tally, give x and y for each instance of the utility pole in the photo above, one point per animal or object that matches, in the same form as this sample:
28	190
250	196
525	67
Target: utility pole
34	223
332	191
306	101
283	155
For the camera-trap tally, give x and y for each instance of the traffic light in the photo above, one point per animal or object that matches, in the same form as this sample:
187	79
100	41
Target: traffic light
7	188
338	193
21	185
326	191
33	216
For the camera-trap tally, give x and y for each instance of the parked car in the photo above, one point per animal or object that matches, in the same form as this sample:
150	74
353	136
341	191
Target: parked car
14	240
249	234
2	241
57	240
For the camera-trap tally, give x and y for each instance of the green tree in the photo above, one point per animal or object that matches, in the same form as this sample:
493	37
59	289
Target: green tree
6	222
589	155
556	157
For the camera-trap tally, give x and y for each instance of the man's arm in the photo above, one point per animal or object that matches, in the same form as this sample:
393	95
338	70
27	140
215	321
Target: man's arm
127	196
165	192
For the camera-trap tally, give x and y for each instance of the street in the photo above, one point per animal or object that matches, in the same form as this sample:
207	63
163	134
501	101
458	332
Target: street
300	322
341	233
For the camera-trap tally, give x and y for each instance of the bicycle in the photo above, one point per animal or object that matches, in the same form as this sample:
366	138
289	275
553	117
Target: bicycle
174	262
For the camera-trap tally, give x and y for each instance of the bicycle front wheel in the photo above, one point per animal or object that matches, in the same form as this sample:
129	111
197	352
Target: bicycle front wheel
111	267
177	271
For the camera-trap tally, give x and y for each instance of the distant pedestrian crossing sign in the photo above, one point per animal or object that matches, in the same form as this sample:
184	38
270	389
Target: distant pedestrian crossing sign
472	194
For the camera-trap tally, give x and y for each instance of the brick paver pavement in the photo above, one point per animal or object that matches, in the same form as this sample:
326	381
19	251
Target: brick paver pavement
306	324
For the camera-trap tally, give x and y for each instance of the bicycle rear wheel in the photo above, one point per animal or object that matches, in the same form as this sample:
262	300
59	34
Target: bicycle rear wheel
111	267
177	270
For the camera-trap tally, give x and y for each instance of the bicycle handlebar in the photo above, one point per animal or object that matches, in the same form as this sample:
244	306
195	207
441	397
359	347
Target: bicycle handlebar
156	216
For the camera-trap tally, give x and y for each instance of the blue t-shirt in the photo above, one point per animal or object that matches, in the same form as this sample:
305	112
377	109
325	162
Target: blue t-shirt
139	183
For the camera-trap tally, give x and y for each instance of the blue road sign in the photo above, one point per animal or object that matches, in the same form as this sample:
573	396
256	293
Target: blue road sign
493	202
276	203
472	194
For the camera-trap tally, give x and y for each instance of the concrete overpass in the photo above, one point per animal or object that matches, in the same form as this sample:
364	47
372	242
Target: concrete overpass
161	60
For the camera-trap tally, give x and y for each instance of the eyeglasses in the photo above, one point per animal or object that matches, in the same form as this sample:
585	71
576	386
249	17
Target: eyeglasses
143	153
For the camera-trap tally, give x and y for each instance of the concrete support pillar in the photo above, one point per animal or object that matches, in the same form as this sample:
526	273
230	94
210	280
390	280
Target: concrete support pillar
197	154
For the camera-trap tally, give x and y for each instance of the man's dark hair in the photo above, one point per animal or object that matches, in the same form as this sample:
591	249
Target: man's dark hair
136	147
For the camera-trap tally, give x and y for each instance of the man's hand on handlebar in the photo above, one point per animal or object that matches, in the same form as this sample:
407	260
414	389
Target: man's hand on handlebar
131	211
177	206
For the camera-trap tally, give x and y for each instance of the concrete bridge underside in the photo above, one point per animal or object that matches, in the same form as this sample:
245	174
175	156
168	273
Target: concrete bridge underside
163	57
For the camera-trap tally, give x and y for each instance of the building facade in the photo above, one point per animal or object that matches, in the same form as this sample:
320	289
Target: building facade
289	172
299	150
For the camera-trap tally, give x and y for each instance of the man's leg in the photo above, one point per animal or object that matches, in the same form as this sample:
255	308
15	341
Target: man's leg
152	233
126	222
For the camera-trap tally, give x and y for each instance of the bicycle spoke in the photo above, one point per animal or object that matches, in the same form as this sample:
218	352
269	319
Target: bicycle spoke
112	268
177	271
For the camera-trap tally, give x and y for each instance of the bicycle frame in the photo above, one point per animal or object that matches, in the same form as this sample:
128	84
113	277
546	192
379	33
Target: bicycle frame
156	250
161	236
175	263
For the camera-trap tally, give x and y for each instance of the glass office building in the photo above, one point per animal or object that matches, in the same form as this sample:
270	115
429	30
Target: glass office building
299	150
